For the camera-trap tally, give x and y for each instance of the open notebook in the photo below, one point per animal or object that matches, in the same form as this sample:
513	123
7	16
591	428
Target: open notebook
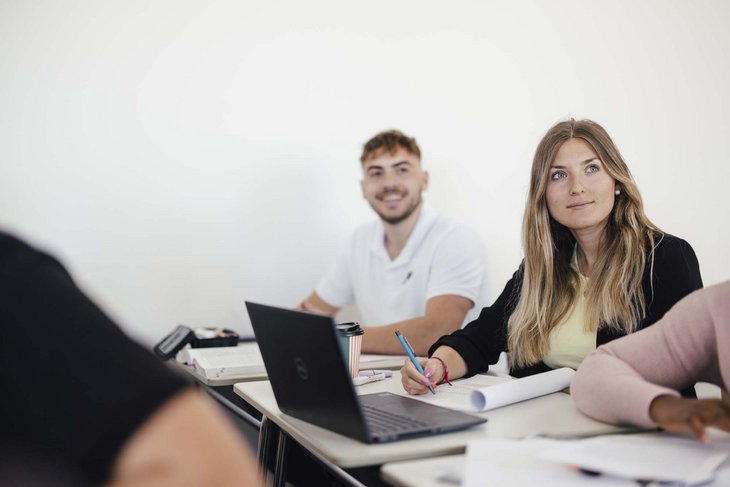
245	361
224	362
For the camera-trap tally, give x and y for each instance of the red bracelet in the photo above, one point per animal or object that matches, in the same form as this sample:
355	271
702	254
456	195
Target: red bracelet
445	378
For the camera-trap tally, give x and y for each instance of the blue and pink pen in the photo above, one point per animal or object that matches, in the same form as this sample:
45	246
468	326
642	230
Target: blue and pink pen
409	351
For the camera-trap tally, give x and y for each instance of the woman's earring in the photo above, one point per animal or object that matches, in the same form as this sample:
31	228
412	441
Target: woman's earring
617	192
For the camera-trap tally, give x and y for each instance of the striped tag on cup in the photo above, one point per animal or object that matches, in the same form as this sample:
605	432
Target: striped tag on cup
354	355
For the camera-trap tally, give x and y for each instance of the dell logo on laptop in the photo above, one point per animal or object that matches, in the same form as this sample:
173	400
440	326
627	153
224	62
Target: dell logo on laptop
301	368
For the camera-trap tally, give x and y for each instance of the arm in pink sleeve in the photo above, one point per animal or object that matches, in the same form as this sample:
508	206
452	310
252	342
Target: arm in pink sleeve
618	382
608	389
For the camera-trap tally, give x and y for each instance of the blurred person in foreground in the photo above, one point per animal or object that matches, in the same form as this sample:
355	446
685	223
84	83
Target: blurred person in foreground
84	405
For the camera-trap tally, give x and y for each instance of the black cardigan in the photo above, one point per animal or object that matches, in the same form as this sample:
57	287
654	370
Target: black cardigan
675	274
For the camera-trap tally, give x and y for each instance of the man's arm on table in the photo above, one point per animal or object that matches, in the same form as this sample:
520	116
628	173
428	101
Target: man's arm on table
315	304
444	314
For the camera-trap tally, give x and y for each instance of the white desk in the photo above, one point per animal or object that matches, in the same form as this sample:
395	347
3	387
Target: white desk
431	472
553	414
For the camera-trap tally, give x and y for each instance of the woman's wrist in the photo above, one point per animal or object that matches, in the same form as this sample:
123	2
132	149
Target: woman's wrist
445	374
451	360
662	407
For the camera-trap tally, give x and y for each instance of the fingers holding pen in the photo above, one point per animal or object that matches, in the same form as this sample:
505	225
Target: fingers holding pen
416	372
433	370
412	380
416	383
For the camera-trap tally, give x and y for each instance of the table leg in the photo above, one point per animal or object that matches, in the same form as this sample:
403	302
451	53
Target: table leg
280	468
268	440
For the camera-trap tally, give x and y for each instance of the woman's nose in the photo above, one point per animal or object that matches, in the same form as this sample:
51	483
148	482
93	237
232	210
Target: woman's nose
576	187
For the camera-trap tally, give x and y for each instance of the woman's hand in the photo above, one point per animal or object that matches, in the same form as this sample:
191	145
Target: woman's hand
415	383
694	415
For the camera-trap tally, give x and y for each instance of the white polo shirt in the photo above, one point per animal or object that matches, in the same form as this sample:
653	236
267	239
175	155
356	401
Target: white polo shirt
441	257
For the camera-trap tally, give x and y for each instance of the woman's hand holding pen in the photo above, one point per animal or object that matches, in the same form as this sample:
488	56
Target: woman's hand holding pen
694	415
416	383
444	364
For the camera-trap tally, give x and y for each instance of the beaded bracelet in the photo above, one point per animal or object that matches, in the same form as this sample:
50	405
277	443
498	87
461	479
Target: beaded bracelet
445	378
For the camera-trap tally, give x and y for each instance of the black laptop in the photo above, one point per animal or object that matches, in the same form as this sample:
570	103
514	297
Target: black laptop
311	381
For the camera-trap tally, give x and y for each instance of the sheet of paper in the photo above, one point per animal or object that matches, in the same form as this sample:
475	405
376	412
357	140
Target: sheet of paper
484	392
241	356
518	463
247	353
658	457
458	396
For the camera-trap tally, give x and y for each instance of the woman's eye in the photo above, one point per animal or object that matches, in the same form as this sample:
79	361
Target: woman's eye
592	168
557	175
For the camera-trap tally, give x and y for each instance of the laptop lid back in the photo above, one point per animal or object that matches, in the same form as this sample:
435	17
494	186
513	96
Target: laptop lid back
306	368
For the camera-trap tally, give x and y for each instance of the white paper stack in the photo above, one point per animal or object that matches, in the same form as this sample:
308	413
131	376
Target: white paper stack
612	460
224	362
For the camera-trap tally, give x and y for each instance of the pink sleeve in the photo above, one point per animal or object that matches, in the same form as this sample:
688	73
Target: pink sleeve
617	382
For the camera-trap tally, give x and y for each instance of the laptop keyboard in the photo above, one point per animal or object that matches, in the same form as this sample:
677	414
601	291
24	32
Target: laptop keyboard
380	421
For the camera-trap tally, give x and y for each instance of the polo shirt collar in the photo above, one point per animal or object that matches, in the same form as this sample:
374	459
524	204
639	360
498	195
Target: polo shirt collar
425	221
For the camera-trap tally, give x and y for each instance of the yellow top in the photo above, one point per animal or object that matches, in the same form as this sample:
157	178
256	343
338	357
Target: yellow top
569	341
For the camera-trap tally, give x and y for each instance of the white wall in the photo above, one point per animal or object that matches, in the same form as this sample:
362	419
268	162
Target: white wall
181	157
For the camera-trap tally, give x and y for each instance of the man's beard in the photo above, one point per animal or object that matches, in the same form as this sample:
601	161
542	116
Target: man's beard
394	220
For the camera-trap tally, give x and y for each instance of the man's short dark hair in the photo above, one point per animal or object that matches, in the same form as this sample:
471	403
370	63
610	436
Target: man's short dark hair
388	142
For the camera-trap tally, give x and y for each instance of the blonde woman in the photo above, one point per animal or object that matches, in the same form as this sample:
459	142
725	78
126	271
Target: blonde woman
595	267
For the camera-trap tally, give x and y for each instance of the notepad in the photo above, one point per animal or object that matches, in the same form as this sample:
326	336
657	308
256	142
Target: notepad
245	361
483	392
224	362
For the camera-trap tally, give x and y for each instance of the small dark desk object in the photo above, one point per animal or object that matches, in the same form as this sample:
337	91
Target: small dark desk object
198	338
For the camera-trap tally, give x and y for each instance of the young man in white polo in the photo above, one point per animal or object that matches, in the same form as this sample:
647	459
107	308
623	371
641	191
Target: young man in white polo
414	270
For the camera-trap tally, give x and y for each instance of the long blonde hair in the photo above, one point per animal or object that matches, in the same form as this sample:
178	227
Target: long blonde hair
614	295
